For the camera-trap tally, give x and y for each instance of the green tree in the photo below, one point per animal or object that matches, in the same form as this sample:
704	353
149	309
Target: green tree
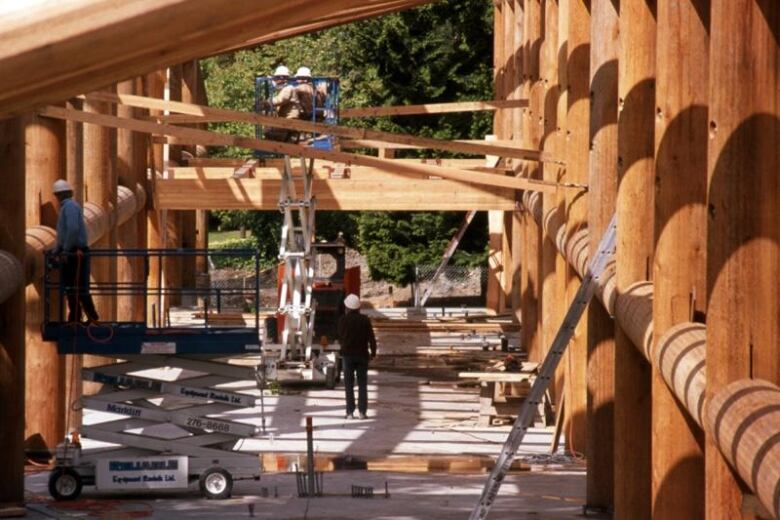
438	52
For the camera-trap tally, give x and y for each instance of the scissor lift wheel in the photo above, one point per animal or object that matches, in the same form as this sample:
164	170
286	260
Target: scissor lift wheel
216	484
64	484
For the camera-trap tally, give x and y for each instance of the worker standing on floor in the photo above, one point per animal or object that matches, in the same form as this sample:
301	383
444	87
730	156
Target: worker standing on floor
286	104
72	248
358	345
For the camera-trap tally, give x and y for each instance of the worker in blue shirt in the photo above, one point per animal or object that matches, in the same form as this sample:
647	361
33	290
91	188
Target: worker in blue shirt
72	247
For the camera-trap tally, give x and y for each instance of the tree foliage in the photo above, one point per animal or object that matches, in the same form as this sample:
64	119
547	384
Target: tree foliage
435	53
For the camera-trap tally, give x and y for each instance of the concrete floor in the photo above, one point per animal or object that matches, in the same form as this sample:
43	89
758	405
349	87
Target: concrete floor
530	495
408	416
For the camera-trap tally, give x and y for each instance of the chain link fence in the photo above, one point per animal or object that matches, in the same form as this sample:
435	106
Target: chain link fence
455	284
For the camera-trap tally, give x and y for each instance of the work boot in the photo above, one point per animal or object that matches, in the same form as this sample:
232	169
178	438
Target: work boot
349	416
362	416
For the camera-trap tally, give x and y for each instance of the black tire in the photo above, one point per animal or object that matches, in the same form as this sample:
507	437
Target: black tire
65	484
216	484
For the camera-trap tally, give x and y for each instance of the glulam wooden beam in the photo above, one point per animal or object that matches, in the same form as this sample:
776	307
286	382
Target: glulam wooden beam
330	20
333	194
679	267
743	235
194	136
433	108
90	44
221	114
634	256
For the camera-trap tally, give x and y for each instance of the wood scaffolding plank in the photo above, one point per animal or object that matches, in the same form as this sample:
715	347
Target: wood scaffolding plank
680	249
332	194
194	136
221	114
433	108
634	255
743	246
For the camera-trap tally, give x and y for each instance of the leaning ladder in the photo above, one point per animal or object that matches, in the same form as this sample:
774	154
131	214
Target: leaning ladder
295	251
596	268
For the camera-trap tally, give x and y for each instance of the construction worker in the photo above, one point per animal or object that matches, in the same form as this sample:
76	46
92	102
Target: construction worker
305	91
72	249
285	103
358	345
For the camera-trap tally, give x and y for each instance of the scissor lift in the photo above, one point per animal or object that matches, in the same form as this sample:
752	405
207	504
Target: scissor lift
173	414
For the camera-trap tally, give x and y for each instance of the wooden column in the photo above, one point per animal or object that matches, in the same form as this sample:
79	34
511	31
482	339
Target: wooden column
680	231
743	270
561	303
533	90
636	169
577	152
518	247
74	167
45	393
495	295
156	89
173	237
12	315
100	188
604	50
141	163
128	269
553	281
189	94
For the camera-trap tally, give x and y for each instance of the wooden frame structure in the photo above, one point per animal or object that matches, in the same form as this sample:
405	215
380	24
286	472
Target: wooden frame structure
665	110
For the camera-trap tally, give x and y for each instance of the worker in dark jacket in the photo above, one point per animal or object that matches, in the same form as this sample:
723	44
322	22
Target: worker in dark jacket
72	248
357	341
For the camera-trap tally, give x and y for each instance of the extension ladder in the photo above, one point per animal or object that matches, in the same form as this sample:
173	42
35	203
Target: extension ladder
596	268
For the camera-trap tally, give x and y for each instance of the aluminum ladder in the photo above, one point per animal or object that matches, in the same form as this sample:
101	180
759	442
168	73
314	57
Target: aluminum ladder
596	268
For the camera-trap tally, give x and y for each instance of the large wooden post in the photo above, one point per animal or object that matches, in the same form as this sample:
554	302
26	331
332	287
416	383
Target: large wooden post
173	237
45	393
128	269
553	280
12	315
189	94
577	152
743	271
680	231
156	89
100	188
636	150
604	49
533	90
495	299
75	175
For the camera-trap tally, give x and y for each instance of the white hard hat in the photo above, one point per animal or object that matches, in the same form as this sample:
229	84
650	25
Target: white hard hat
281	70
303	72
352	302
61	185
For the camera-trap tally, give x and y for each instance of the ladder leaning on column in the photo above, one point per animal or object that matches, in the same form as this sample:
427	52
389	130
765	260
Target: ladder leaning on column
596	268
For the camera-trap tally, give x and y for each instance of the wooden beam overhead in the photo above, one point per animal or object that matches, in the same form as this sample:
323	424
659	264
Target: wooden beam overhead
434	108
89	44
194	136
384	194
306	126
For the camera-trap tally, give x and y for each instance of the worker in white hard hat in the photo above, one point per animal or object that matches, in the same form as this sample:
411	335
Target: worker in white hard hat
72	249
304	88
286	104
358	345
